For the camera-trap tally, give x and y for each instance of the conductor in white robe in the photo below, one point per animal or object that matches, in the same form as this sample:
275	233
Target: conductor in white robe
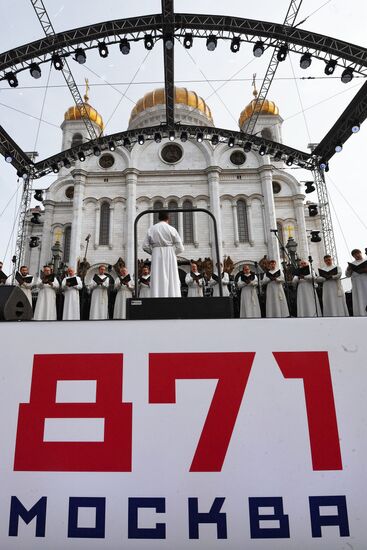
307	300
333	297
195	282
163	242
99	289
70	286
249	303
48	285
124	287
357	270
25	282
144	282
213	281
276	303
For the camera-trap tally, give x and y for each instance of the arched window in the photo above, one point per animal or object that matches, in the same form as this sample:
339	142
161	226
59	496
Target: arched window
242	222
157	205
77	140
188	224
104	226
173	216
266	133
67	239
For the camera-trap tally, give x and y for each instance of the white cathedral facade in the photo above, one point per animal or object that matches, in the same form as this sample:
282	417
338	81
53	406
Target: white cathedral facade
248	194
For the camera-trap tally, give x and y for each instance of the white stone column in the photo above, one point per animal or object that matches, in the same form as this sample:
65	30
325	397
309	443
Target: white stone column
195	229
46	254
302	251
110	233
76	224
131	181
213	184
236	238
269	210
97	225
180	224
249	223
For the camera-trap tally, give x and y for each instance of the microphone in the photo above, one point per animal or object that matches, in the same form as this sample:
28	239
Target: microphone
310	259
273	231
88	237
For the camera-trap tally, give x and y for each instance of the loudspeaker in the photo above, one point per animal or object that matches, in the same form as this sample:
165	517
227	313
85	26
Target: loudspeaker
14	304
180	308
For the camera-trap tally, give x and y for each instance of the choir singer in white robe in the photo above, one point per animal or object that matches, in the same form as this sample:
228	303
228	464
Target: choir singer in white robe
276	303
333	297
357	270
25	282
99	300
46	301
163	242
249	304
213	282
144	282
195	281
307	300
124	287
70	286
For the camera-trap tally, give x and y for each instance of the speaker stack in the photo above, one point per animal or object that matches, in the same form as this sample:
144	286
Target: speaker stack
14	304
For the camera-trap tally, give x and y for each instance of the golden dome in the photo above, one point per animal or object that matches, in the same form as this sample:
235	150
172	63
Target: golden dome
182	96
73	113
268	108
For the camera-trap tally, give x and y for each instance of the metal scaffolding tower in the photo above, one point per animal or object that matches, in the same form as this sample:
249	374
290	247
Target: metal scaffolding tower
325	214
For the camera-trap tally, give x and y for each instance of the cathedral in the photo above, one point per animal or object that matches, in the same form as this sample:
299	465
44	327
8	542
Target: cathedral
90	208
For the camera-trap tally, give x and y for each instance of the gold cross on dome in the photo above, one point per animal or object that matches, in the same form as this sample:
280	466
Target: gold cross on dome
86	96
255	92
289	230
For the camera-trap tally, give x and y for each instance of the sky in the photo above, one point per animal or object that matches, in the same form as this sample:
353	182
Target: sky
308	101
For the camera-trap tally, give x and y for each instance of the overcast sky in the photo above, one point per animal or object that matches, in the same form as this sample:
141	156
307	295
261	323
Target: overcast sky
308	101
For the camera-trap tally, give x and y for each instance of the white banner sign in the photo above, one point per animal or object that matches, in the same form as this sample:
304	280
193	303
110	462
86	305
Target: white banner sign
184	434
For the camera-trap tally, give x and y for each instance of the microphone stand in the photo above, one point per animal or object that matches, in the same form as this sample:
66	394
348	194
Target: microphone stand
313	285
290	260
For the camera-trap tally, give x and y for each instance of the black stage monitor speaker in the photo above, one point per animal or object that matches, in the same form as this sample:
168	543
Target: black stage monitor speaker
14	304
180	308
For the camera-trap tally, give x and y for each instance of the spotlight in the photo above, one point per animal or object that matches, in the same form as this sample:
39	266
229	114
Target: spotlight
323	165
8	158
356	127
57	62
111	145
330	66
215	139
347	75
141	139
96	151
38	195
338	147
312	210
305	60
157	137
231	142
183	136
310	187
148	42
125	46
22	174
278	155
211	42
282	52
55	168
66	162
327	167
103	50
80	56
315	237
259	48
247	147
235	44
35	218
35	70
289	160
12	80
81	156
34	242
262	150
171	135
188	40
168	41
126	142
199	137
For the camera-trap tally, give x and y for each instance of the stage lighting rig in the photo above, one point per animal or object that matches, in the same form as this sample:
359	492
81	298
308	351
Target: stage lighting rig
235	44
168	41
259	48
35	70
347	75
103	49
310	186
184	137
211	42
125	46
330	66
305	61
8	158
315	237
247	147
12	80
312	210
282	52
80	56
188	40
57	62
148	42
81	156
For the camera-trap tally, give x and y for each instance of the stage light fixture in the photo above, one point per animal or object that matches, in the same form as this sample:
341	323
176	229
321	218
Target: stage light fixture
330	66
148	42
282	52
111	145
259	48
315	237
215	139
305	61
126	142
141	139
327	167
81	156
183	137
199	137
172	135
157	137
35	218
103	49
168	41
55	168
57	62
355	127
322	164
310	187
338	147
262	150
35	70
188	40
96	151
289	160
125	46
247	147
235	44
38	195
12	80
312	210
66	162
8	158
80	56
278	156
347	75
231	141
211	42
34	242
